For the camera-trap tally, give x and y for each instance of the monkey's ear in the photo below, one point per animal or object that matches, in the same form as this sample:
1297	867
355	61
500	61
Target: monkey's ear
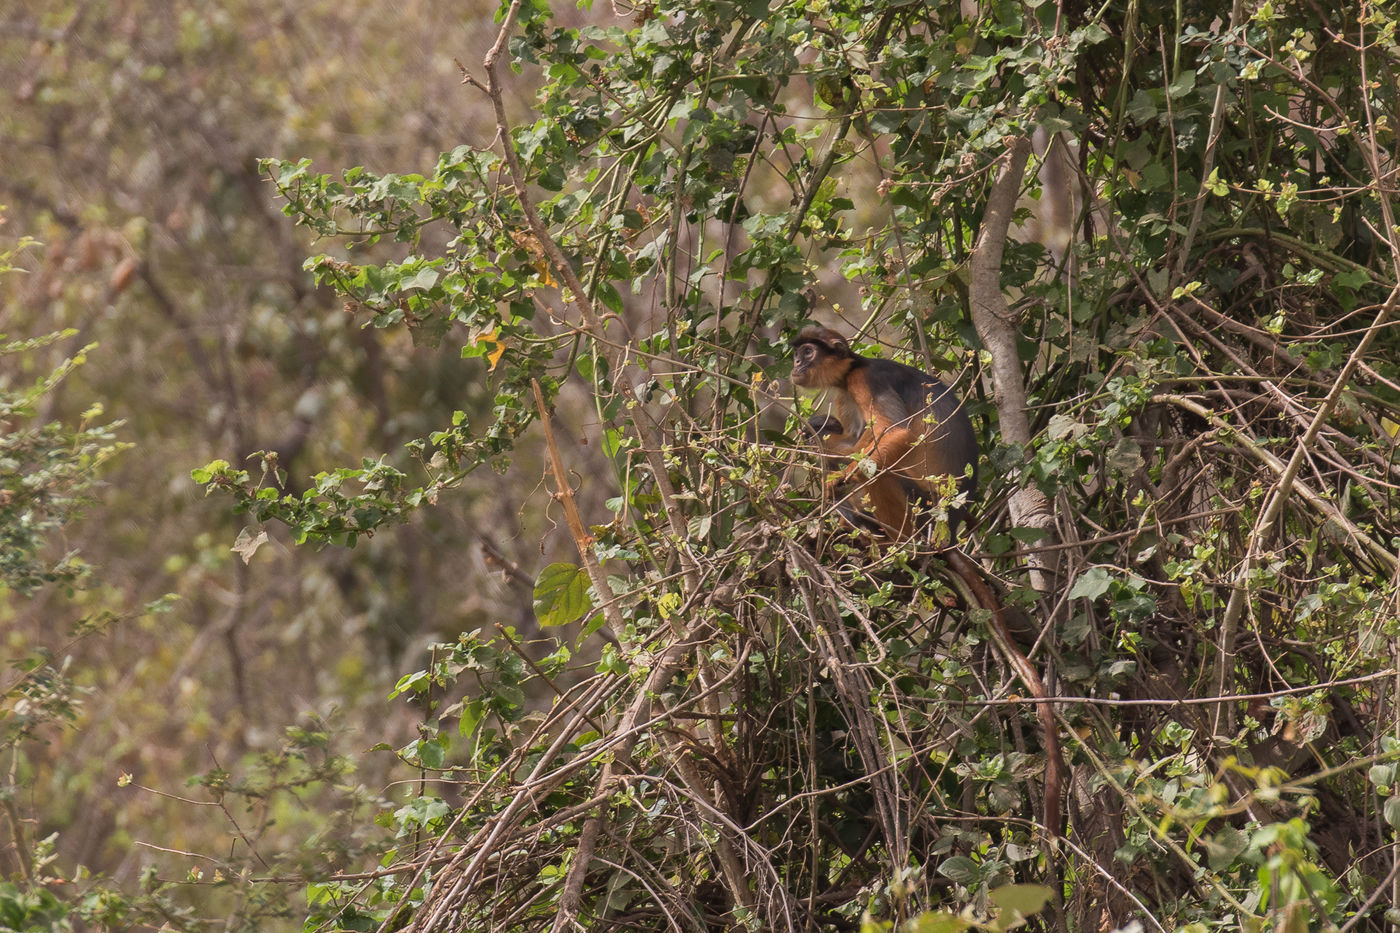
836	343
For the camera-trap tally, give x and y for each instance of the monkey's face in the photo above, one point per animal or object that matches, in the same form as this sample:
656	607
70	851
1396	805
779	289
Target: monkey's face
804	360
815	366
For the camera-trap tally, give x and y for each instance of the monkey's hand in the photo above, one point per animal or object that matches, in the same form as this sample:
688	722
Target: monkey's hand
857	471
821	427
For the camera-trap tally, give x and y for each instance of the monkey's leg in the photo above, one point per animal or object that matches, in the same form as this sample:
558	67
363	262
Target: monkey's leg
890	504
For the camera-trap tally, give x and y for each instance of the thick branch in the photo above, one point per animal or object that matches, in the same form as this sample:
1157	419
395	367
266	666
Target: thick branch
999	335
989	312
978	593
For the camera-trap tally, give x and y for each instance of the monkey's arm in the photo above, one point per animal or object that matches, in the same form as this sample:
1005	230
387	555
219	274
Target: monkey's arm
888	490
890	434
843	430
829	434
889	449
823	427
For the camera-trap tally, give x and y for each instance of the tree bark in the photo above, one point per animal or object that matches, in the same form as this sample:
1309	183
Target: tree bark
999	335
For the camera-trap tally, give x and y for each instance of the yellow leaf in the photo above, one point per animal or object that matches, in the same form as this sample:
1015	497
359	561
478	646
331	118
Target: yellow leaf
668	603
494	339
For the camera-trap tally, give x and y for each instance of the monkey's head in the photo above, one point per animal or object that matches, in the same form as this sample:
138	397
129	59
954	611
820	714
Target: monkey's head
821	358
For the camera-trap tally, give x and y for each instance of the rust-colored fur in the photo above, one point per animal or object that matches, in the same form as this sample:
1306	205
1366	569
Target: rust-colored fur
911	425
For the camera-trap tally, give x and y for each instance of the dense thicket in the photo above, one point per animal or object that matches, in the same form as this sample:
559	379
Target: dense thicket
1154	245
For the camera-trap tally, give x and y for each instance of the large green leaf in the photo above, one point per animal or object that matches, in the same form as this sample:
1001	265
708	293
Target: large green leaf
561	594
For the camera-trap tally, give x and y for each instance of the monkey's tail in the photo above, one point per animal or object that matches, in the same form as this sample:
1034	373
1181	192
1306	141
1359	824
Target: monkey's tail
980	594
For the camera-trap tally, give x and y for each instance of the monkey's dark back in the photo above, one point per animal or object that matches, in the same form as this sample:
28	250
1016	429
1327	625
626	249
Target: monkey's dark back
920	392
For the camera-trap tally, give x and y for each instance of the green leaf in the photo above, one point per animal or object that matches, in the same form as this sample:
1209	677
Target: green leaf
939	922
207	472
561	594
1353	279
1183	85
1091	584
470	717
422	280
431	754
552	178
1063	426
1126	455
959	868
1154	176
417	682
1023	899
1392	812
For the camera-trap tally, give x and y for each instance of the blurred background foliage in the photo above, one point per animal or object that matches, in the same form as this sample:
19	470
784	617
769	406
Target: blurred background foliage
129	138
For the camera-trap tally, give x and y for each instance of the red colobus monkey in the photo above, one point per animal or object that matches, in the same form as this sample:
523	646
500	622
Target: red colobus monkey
909	423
